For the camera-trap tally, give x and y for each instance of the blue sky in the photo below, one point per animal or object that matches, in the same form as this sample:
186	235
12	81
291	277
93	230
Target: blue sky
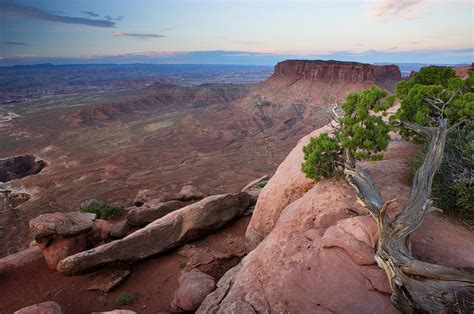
222	31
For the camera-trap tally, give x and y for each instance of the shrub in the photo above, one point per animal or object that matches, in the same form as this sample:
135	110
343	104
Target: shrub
126	298
453	184
321	157
362	132
102	209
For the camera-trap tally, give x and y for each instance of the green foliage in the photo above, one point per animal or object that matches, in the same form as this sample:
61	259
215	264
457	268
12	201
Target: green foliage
453	184
262	184
102	209
362	132
126	298
432	93
321	157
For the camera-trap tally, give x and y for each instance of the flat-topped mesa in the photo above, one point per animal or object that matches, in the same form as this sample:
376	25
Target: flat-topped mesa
339	71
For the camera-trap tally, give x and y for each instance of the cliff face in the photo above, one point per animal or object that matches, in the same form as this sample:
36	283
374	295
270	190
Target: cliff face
336	71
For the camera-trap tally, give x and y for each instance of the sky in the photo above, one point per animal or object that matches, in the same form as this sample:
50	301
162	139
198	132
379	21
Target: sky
235	32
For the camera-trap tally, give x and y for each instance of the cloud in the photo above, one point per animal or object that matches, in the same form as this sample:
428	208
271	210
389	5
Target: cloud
34	13
137	35
111	18
90	13
13	43
395	8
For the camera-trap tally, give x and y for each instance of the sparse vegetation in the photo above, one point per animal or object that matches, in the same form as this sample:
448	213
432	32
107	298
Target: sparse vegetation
261	185
102	209
126	298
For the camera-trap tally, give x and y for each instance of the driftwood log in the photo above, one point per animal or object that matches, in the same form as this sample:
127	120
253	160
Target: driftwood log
416	286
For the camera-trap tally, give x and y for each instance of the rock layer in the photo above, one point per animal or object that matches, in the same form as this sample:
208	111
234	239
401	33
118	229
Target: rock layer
337	71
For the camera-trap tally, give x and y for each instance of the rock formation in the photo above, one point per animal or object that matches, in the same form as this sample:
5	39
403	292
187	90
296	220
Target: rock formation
170	231
59	235
316	253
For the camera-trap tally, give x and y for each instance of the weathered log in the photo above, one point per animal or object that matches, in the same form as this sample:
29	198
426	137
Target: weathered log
417	286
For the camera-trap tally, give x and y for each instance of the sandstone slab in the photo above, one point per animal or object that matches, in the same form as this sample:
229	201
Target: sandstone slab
107	279
170	231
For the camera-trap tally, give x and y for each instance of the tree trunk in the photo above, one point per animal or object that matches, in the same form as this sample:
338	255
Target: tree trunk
416	286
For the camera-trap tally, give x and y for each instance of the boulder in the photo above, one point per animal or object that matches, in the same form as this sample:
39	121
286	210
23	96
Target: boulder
102	229
144	196
150	211
20	258
286	185
59	235
120	229
163	234
190	193
194	286
48	307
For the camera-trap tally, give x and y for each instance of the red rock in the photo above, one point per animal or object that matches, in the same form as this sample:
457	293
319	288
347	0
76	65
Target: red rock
362	228
194	286
102	228
59	235
361	253
119	229
287	184
48	307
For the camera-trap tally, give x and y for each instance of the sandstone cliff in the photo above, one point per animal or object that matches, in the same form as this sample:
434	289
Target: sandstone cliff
337	71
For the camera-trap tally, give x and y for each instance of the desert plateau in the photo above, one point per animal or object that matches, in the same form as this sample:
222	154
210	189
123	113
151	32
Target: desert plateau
236	157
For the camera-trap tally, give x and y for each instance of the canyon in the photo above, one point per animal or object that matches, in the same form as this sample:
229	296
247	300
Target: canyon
216	136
